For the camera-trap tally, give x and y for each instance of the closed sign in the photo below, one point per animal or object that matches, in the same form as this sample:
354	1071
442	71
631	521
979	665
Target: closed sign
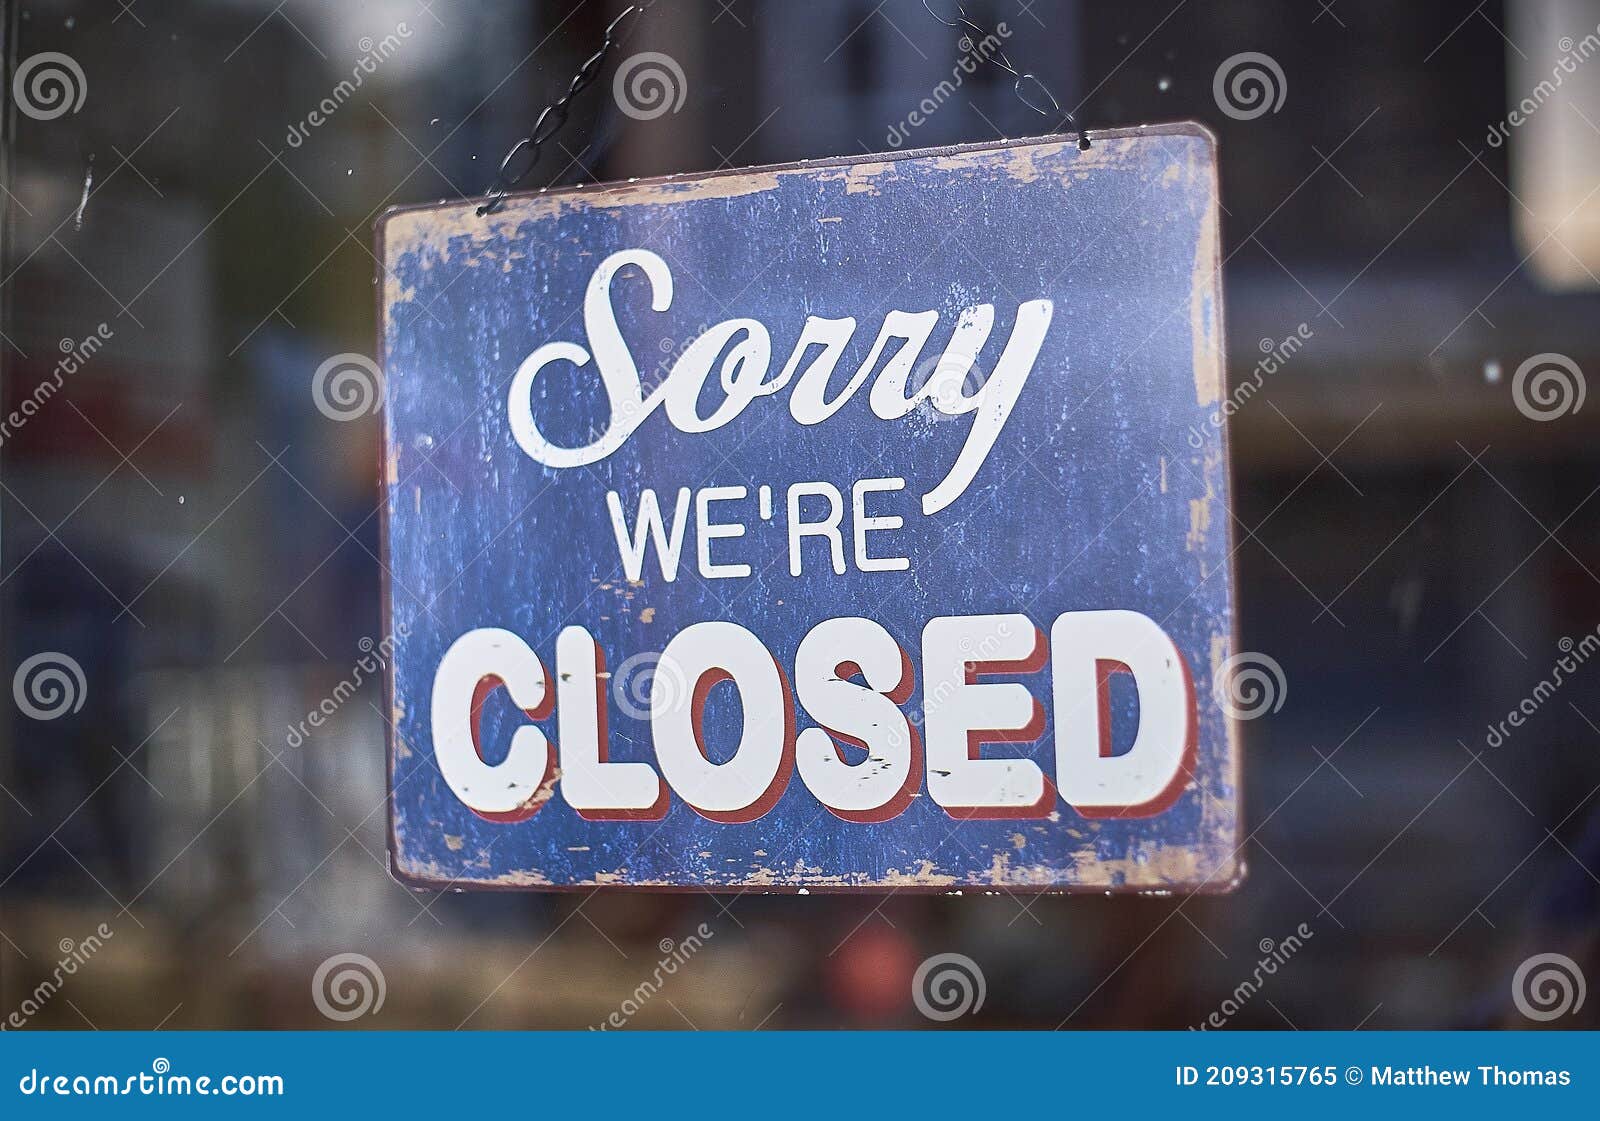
856	524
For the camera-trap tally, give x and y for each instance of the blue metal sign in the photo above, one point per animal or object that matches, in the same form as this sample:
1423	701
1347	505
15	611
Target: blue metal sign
857	524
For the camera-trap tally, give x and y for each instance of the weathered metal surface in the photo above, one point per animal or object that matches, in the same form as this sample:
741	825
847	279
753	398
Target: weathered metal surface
1105	491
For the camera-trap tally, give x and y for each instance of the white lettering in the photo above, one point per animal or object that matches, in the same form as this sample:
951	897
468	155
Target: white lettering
517	787
699	657
649	527
745	347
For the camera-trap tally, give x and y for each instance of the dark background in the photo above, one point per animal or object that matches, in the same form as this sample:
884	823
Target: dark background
185	524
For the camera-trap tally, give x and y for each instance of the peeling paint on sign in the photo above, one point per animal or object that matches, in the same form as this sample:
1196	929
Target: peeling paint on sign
828	526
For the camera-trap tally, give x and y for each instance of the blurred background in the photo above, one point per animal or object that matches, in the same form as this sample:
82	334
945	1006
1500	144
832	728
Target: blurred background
1417	511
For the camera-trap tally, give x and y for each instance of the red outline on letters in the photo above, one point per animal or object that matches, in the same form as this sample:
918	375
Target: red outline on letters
780	781
900	801
653	812
1186	765
1028	733
486	685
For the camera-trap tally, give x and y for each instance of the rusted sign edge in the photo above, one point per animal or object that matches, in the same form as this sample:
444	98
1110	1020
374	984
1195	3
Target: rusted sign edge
1170	128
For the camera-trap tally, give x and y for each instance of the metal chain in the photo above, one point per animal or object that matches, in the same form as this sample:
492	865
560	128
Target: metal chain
523	157
974	35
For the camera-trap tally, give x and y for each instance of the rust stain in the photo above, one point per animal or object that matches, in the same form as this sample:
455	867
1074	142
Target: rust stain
1199	521
430	233
858	179
1219	654
924	876
1205	294
1154	867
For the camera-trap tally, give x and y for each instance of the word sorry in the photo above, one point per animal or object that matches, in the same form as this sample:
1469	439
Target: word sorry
743	374
961	714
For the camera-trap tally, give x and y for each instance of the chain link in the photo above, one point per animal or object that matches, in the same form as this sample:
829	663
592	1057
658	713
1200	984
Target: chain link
972	35
523	156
